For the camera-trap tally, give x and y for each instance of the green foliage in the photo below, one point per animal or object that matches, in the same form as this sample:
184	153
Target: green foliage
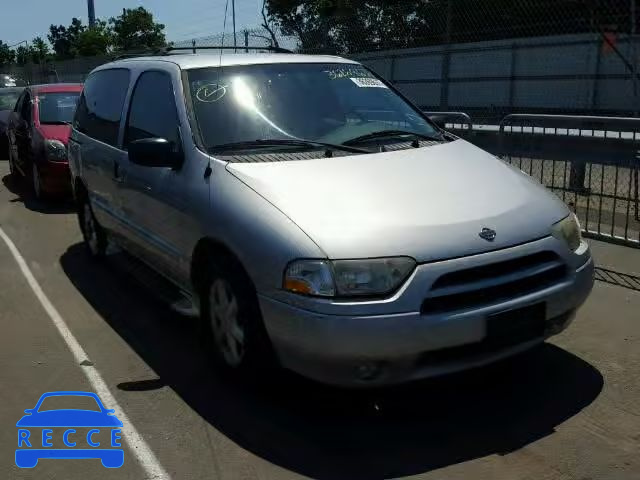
347	26
7	55
39	50
135	29
95	41
23	55
64	39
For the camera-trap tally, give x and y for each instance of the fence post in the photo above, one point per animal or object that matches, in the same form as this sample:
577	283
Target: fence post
446	61
512	86
594	89
246	41
392	72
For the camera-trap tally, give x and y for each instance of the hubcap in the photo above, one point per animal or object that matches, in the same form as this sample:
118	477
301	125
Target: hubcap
36	181
90	234
228	332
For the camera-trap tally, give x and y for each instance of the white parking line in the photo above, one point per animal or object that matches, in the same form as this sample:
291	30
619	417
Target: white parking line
136	443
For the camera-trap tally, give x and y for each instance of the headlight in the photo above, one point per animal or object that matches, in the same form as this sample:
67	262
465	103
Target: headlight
375	276
56	150
568	229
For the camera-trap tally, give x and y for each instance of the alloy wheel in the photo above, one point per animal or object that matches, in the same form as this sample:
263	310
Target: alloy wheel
228	331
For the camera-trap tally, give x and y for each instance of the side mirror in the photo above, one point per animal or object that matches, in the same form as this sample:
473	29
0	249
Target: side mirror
29	410
154	152
439	121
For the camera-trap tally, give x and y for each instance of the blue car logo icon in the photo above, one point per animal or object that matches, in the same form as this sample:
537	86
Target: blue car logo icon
36	432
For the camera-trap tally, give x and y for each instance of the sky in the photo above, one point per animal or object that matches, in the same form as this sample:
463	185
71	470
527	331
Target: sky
184	19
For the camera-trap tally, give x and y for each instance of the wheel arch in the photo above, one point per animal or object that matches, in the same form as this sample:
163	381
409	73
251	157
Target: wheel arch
209	250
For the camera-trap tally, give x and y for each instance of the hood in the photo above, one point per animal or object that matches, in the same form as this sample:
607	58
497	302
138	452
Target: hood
69	418
55	132
430	203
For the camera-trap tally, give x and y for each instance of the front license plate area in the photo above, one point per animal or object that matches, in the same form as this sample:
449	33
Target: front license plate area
516	326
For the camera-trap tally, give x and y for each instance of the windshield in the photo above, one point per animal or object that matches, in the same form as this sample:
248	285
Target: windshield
331	103
8	99
57	107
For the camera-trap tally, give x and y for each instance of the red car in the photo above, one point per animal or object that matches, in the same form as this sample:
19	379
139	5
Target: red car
38	129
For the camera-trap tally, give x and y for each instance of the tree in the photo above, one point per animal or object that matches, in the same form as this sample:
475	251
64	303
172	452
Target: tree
348	26
23	55
64	39
266	24
96	40
39	50
135	29
6	54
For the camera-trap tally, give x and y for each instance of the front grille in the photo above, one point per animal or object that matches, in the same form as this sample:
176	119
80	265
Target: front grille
493	283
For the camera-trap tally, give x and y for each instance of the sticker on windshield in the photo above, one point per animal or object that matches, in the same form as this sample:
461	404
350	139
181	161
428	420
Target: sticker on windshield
211	92
368	82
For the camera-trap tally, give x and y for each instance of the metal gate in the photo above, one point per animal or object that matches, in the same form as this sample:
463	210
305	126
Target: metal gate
591	163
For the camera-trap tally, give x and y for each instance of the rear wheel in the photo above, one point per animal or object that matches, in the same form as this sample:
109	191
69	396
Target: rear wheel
232	326
95	238
13	172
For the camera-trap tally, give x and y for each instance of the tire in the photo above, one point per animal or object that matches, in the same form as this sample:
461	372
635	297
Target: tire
231	324
13	172
95	238
36	186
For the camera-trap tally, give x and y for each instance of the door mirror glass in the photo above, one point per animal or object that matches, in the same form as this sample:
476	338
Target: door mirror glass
154	152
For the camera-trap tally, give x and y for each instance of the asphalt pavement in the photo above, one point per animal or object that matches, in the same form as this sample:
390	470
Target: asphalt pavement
568	410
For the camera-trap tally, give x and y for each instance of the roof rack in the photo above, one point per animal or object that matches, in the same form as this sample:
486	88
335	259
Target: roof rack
194	49
246	48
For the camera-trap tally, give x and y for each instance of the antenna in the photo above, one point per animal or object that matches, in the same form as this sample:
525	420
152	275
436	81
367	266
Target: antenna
224	28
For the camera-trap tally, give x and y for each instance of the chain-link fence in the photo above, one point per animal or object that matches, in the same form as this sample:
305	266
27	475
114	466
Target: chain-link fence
488	58
591	163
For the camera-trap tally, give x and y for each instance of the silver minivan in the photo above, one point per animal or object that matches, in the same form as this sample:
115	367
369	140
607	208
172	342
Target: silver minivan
317	220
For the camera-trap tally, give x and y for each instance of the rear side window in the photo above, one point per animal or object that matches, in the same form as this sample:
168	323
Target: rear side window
153	111
100	107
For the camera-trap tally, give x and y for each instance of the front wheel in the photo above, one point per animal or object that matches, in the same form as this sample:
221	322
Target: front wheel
233	330
35	182
95	238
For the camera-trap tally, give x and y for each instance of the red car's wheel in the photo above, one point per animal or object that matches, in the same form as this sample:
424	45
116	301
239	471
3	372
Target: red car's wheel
35	182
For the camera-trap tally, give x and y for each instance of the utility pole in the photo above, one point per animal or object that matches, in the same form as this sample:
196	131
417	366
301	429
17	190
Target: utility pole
92	13
233	14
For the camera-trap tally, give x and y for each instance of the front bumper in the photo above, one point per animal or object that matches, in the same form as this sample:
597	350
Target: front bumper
378	347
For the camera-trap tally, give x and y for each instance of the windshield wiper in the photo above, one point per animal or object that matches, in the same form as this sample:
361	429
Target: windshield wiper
282	142
394	133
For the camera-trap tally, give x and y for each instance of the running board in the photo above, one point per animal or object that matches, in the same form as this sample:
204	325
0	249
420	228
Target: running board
160	287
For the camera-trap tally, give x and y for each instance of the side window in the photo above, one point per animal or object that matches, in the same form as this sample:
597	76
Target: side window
100	107
153	111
